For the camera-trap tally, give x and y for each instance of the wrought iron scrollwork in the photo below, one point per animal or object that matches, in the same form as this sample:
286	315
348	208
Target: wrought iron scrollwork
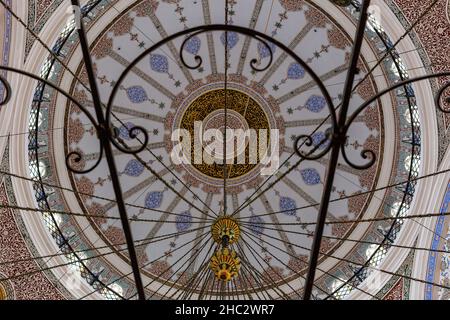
440	99
335	136
133	133
193	32
7	91
370	154
255	62
365	154
308	141
73	157
197	57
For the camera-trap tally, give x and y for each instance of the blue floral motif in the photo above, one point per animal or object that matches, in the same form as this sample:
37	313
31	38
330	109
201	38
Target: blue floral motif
318	137
316	103
233	39
288	206
295	71
310	176
154	200
137	94
124	131
159	63
134	168
264	52
256	225
184	221
193	45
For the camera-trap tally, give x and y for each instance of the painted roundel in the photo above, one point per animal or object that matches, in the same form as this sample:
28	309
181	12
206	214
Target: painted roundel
172	206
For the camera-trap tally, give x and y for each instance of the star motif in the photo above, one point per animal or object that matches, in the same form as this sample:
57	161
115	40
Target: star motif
134	36
103	79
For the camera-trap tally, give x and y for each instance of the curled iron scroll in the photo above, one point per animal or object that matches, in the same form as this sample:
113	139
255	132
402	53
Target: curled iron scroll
6	92
308	141
72	157
369	154
440	99
197	57
254	62
190	33
133	133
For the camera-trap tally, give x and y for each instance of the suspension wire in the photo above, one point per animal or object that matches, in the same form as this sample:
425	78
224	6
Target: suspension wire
334	222
203	275
203	272
190	261
148	149
298	259
38	39
389	244
392	208
167	269
81	260
79	193
225	157
167	184
163	180
364	266
162	237
257	280
142	267
284	264
398	184
245	283
36	210
212	288
391	48
192	278
252	250
246	203
255	290
52	129
55	56
259	277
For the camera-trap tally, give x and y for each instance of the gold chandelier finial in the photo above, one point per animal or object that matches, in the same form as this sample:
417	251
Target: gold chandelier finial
225	263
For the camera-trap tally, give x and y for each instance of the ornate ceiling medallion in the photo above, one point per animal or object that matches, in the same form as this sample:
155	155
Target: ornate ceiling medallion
243	113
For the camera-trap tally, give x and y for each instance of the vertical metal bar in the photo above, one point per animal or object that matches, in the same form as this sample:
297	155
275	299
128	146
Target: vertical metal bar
337	141
225	158
104	136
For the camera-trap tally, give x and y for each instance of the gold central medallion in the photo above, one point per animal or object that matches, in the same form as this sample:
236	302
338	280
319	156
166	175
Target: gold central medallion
243	113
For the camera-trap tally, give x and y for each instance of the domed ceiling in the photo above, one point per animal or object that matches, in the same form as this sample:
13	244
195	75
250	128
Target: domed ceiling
173	206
